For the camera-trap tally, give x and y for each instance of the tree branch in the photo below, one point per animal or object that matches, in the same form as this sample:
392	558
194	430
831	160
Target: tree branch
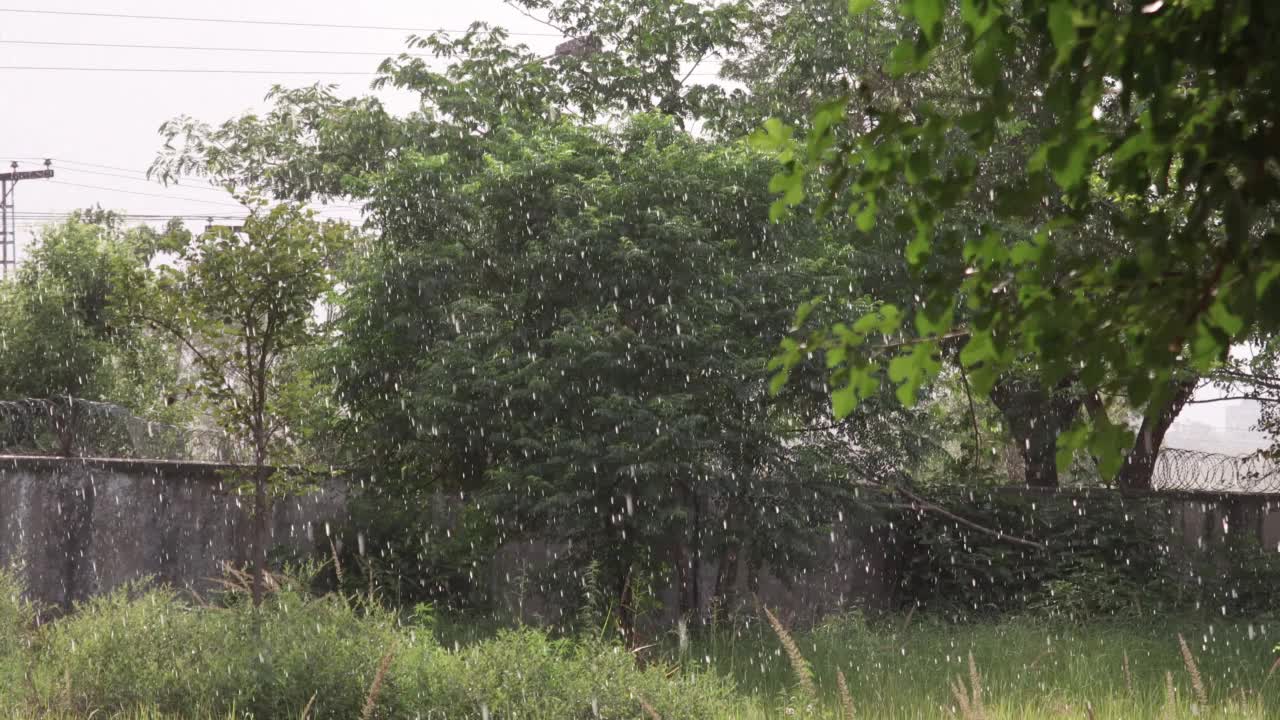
973	414
931	507
1233	397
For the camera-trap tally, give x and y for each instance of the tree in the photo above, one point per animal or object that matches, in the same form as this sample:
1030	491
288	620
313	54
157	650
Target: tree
243	303
561	332
65	335
1156	119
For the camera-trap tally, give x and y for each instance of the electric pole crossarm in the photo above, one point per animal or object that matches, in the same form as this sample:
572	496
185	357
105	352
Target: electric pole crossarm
26	175
8	218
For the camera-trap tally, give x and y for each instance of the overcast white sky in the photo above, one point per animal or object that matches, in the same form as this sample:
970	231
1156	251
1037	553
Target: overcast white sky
92	122
100	126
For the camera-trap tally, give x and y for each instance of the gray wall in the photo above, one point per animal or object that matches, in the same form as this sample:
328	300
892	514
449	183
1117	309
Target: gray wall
79	527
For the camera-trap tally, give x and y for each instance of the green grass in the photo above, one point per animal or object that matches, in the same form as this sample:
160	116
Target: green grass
148	655
1026	668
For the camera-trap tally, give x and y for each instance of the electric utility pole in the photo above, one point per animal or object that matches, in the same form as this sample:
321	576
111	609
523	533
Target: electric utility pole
8	219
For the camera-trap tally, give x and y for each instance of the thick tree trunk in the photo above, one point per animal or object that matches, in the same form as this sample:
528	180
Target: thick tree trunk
1035	416
686	557
626	608
685	593
727	563
727	574
1140	464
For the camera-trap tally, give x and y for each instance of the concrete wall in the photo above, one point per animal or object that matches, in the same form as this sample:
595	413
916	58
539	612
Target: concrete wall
860	563
79	527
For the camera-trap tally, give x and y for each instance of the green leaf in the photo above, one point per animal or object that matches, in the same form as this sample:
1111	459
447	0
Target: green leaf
929	325
1265	278
773	136
983	379
857	7
866	381
836	356
918	166
912	370
803	312
778	381
1207	348
844	401
979	15
1222	316
1062	29
929	14
1108	443
790	184
866	323
891	318
1068	442
866	217
1069	159
1024	252
906	58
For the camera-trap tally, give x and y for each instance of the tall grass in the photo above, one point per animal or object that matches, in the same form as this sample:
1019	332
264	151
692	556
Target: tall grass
1179	668
146	654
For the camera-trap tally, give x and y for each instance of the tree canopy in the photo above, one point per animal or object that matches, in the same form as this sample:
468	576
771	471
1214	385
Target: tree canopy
1156	121
64	328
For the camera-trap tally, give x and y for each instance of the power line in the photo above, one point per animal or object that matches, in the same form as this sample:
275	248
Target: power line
189	70
63	162
135	179
136	192
35	218
210	48
217	71
244	21
204	48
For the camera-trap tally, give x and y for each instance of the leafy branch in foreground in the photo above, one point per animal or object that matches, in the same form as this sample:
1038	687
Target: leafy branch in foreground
1149	126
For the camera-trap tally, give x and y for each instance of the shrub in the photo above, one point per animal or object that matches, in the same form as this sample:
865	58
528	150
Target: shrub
524	673
142	646
17	620
1105	555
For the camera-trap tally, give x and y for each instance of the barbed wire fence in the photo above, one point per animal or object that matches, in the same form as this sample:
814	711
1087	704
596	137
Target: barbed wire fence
1196	471
47	426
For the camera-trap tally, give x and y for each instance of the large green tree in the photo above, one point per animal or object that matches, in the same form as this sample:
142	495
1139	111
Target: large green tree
65	328
573	331
1155	117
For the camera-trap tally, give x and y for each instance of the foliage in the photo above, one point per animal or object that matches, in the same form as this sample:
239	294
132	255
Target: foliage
143	647
1105	556
17	619
559	679
901	666
1156	118
65	330
561	331
243	304
149	655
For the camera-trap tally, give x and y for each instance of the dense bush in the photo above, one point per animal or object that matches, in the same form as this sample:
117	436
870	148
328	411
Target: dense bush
145	647
1104	554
